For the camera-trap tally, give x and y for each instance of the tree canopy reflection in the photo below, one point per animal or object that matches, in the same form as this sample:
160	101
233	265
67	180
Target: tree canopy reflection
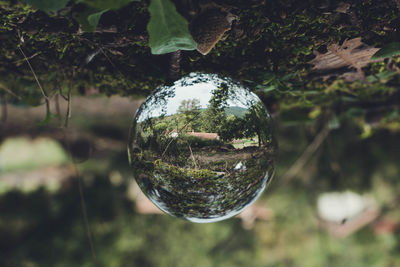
202	149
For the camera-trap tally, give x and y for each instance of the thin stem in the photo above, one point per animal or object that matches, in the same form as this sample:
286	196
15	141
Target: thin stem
191	154
178	132
305	157
10	92
82	201
68	115
34	74
58	110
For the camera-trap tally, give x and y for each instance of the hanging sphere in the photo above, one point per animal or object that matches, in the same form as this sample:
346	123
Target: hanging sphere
202	149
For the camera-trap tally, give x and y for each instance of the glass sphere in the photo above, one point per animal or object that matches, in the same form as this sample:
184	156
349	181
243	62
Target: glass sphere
202	149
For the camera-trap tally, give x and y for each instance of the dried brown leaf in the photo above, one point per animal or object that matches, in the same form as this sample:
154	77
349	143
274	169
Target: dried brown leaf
352	53
343	7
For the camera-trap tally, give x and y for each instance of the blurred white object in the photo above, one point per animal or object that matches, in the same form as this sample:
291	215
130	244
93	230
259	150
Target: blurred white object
343	213
341	206
240	167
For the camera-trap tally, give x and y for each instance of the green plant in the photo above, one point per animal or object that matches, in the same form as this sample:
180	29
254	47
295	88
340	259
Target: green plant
168	30
390	50
89	18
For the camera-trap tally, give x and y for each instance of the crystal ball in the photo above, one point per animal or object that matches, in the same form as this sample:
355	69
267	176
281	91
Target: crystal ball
202	149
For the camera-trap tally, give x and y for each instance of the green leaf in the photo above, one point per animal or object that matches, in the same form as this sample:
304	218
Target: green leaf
168	30
390	50
94	18
47	5
89	18
107	4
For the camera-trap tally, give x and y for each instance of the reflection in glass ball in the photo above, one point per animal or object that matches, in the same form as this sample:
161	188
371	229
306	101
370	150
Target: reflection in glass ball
202	149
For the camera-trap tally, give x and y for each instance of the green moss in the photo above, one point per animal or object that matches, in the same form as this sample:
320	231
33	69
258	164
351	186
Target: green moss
182	173
265	45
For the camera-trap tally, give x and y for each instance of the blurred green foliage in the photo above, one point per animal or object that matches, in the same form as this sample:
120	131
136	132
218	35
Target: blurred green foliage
22	154
40	228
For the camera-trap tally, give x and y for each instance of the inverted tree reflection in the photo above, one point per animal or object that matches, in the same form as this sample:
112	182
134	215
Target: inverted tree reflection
206	152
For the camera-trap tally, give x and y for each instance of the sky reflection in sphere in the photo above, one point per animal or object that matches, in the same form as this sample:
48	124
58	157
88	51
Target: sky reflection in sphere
202	149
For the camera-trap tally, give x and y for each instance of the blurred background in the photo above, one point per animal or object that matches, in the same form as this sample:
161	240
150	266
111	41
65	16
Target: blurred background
292	224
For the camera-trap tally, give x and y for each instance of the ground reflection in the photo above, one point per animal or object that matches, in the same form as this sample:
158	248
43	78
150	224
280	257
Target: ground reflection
202	149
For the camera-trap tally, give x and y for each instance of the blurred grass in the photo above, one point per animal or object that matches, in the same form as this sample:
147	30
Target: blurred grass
20	153
43	228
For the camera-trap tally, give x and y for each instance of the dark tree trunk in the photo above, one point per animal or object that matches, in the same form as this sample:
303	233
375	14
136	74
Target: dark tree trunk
175	66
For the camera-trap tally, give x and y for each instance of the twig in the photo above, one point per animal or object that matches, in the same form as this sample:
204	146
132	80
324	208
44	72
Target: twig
46	98
109	60
85	216
305	157
166	148
48	111
62	95
34	74
10	92
68	115
82	200
191	153
100	48
34	55
112	29
78	175
58	111
178	132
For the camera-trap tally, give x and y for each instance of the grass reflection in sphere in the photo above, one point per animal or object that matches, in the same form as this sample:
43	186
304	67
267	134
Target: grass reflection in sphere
202	149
